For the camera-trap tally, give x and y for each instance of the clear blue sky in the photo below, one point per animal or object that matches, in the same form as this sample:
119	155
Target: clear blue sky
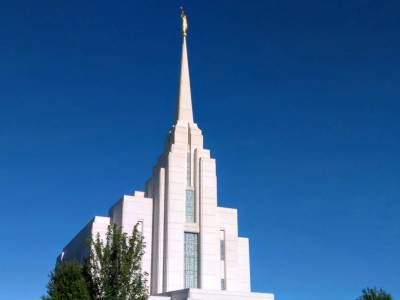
299	102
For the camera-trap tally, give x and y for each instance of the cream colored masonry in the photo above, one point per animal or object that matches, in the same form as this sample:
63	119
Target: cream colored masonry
160	210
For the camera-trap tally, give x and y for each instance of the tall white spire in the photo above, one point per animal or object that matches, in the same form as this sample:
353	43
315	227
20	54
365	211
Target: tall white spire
184	111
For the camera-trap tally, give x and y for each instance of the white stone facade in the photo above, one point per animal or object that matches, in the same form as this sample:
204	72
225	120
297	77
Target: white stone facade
201	294
192	245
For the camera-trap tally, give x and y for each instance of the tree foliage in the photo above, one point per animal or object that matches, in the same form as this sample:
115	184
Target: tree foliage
114	266
374	294
67	282
111	272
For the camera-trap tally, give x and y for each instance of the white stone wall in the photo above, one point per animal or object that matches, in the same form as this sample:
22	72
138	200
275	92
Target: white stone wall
237	265
131	210
243	259
202	294
157	189
175	211
126	213
209	229
77	248
100	227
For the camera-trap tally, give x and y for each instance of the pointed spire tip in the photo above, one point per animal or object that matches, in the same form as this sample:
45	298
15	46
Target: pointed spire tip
184	112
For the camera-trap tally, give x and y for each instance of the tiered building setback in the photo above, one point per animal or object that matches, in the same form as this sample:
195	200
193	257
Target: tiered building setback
193	249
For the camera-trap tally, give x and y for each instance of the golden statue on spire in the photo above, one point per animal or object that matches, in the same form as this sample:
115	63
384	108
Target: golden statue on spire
184	23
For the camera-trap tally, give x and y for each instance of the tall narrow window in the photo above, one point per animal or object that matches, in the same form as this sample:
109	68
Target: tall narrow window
140	226
222	250
223	287
222	245
189	169
191	259
190	210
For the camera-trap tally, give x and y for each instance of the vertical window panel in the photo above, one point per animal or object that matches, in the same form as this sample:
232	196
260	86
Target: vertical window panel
191	262
189	169
222	245
222	248
140	226
190	209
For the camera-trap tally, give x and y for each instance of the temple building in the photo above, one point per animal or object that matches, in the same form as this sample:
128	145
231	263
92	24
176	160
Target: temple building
193	249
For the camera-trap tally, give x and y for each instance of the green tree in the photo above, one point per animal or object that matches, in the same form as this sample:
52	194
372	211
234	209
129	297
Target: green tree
114	266
374	294
67	282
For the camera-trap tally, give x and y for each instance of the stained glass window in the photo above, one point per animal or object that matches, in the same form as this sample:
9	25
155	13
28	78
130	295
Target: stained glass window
191	260
223	287
190	210
222	250
222	244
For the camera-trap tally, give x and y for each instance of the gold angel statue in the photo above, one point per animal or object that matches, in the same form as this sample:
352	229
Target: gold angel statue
184	22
